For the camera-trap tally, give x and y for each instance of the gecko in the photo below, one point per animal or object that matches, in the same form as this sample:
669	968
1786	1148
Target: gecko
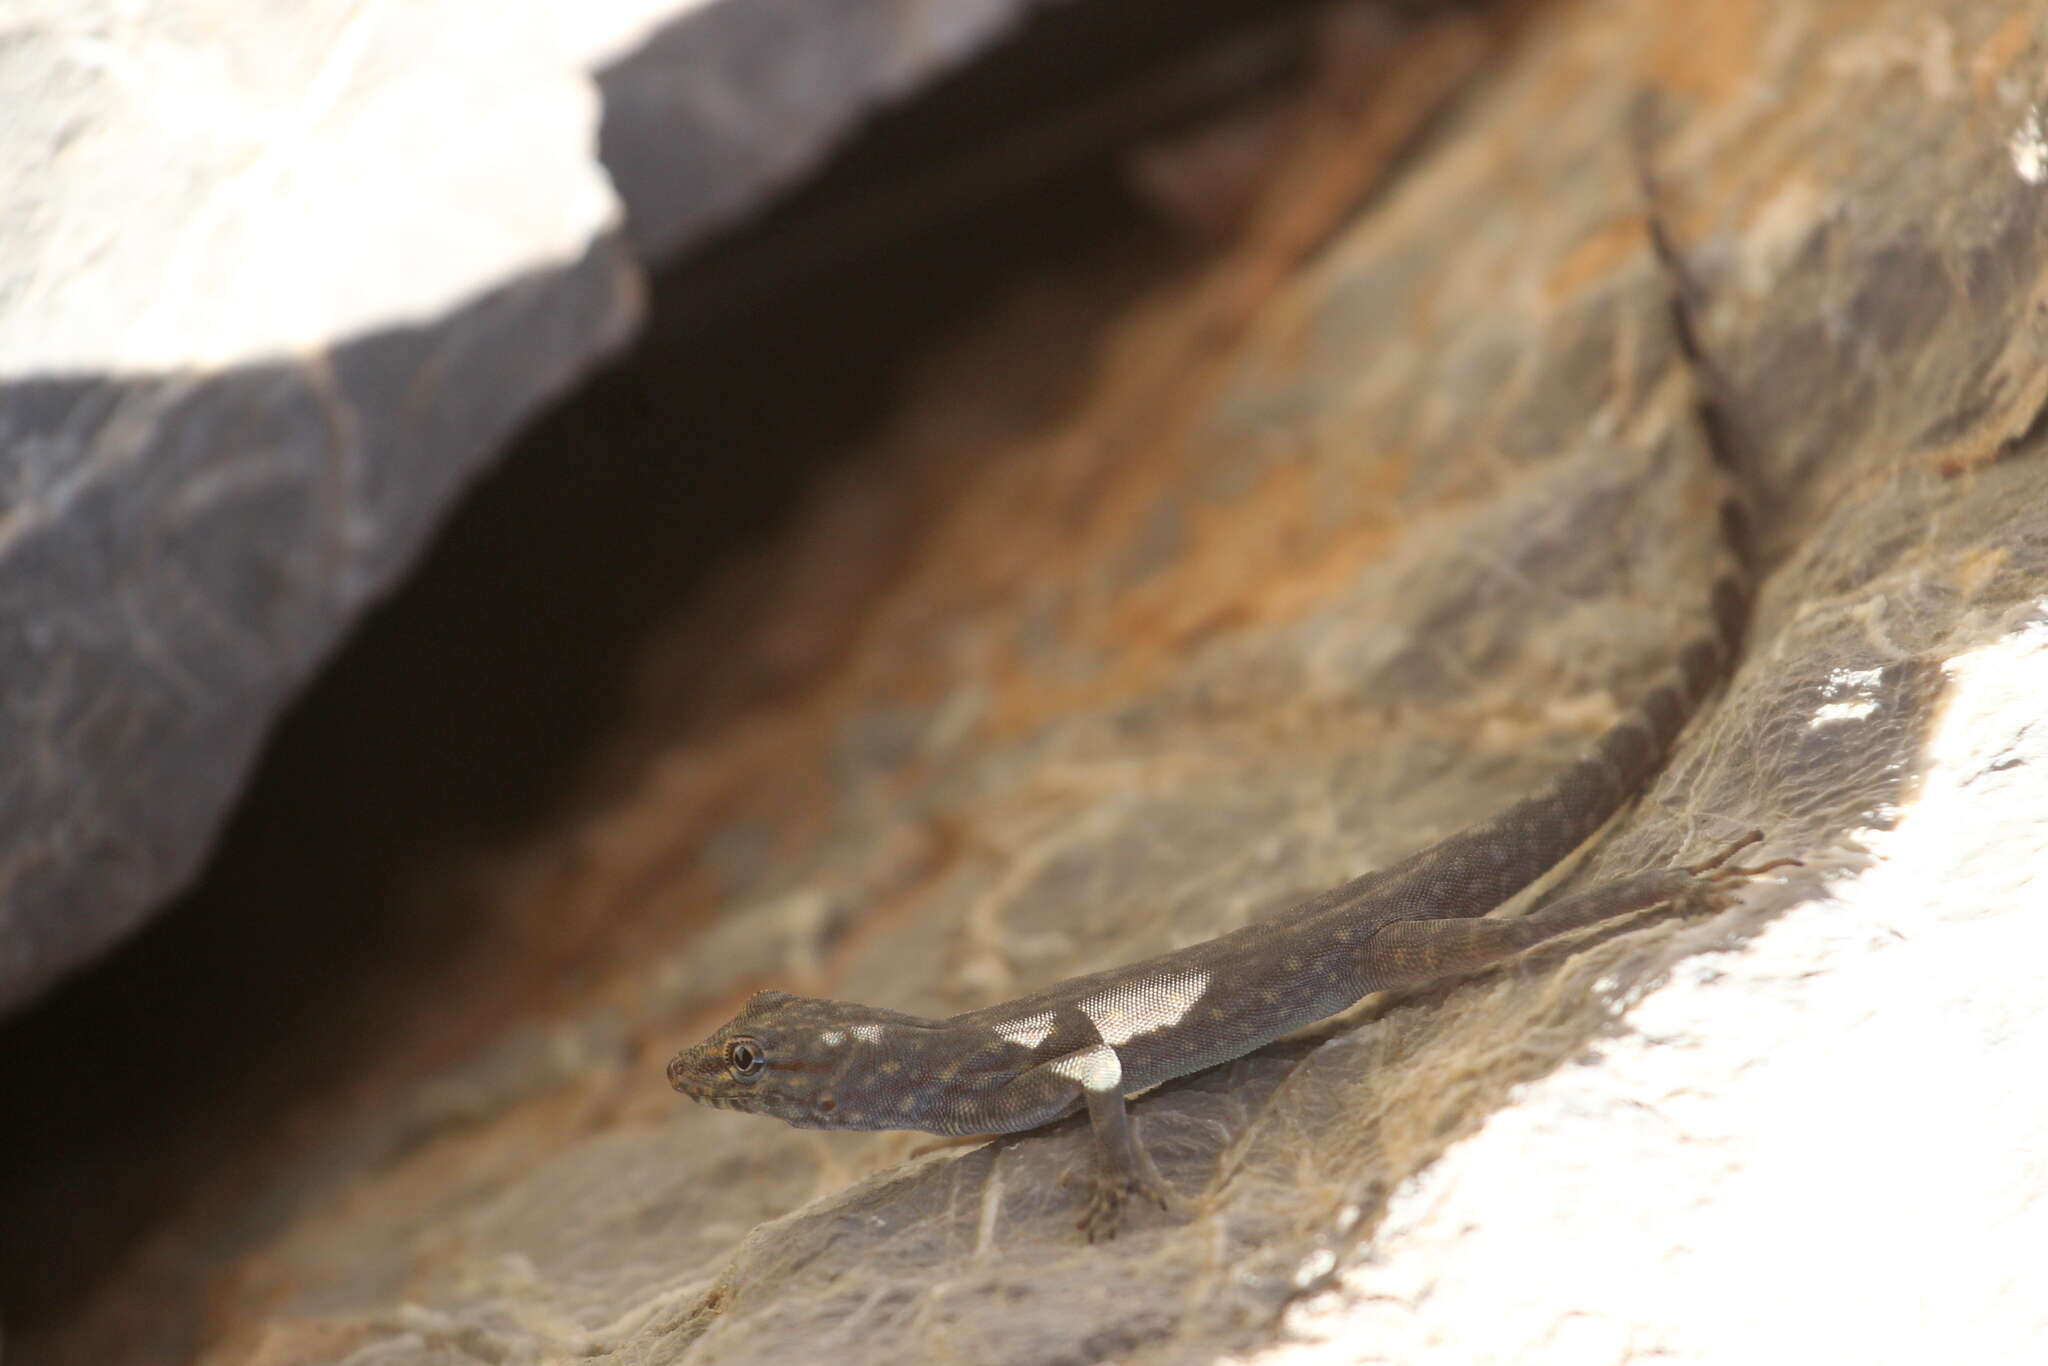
1093	1041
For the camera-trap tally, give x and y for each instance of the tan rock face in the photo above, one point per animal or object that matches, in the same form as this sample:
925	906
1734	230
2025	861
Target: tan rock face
1333	541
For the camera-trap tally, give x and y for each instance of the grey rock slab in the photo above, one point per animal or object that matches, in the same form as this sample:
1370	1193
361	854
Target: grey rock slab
273	287
729	101
271	292
181	551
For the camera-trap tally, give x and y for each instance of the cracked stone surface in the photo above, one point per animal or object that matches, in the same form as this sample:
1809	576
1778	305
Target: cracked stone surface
272	290
1344	539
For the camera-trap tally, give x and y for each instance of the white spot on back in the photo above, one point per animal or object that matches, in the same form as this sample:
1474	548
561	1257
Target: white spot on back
1123	1012
1097	1068
1029	1030
832	1038
868	1033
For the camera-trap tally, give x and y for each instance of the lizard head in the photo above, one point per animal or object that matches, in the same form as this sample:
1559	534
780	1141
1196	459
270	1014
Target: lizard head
815	1064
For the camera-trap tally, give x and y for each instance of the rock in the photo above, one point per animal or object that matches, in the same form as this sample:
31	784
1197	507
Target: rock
733	99
1284	585
271	293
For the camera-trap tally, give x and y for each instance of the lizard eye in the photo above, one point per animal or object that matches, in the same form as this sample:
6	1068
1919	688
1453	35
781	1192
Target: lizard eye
746	1058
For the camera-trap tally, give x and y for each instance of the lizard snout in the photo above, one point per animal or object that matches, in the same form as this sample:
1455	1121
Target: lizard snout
700	1074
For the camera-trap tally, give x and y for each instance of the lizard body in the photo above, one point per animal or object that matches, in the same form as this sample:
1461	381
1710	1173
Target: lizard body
1096	1039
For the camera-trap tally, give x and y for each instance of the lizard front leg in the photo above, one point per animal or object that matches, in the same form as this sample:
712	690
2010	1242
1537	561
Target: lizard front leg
1122	1166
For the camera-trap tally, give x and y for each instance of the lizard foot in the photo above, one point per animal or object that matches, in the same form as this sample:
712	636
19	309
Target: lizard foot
1108	1193
1716	879
1719	869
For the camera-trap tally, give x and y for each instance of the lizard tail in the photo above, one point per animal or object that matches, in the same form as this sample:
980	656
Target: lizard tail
1473	871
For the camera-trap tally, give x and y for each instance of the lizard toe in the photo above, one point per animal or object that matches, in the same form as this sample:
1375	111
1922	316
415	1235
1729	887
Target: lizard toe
1103	1212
